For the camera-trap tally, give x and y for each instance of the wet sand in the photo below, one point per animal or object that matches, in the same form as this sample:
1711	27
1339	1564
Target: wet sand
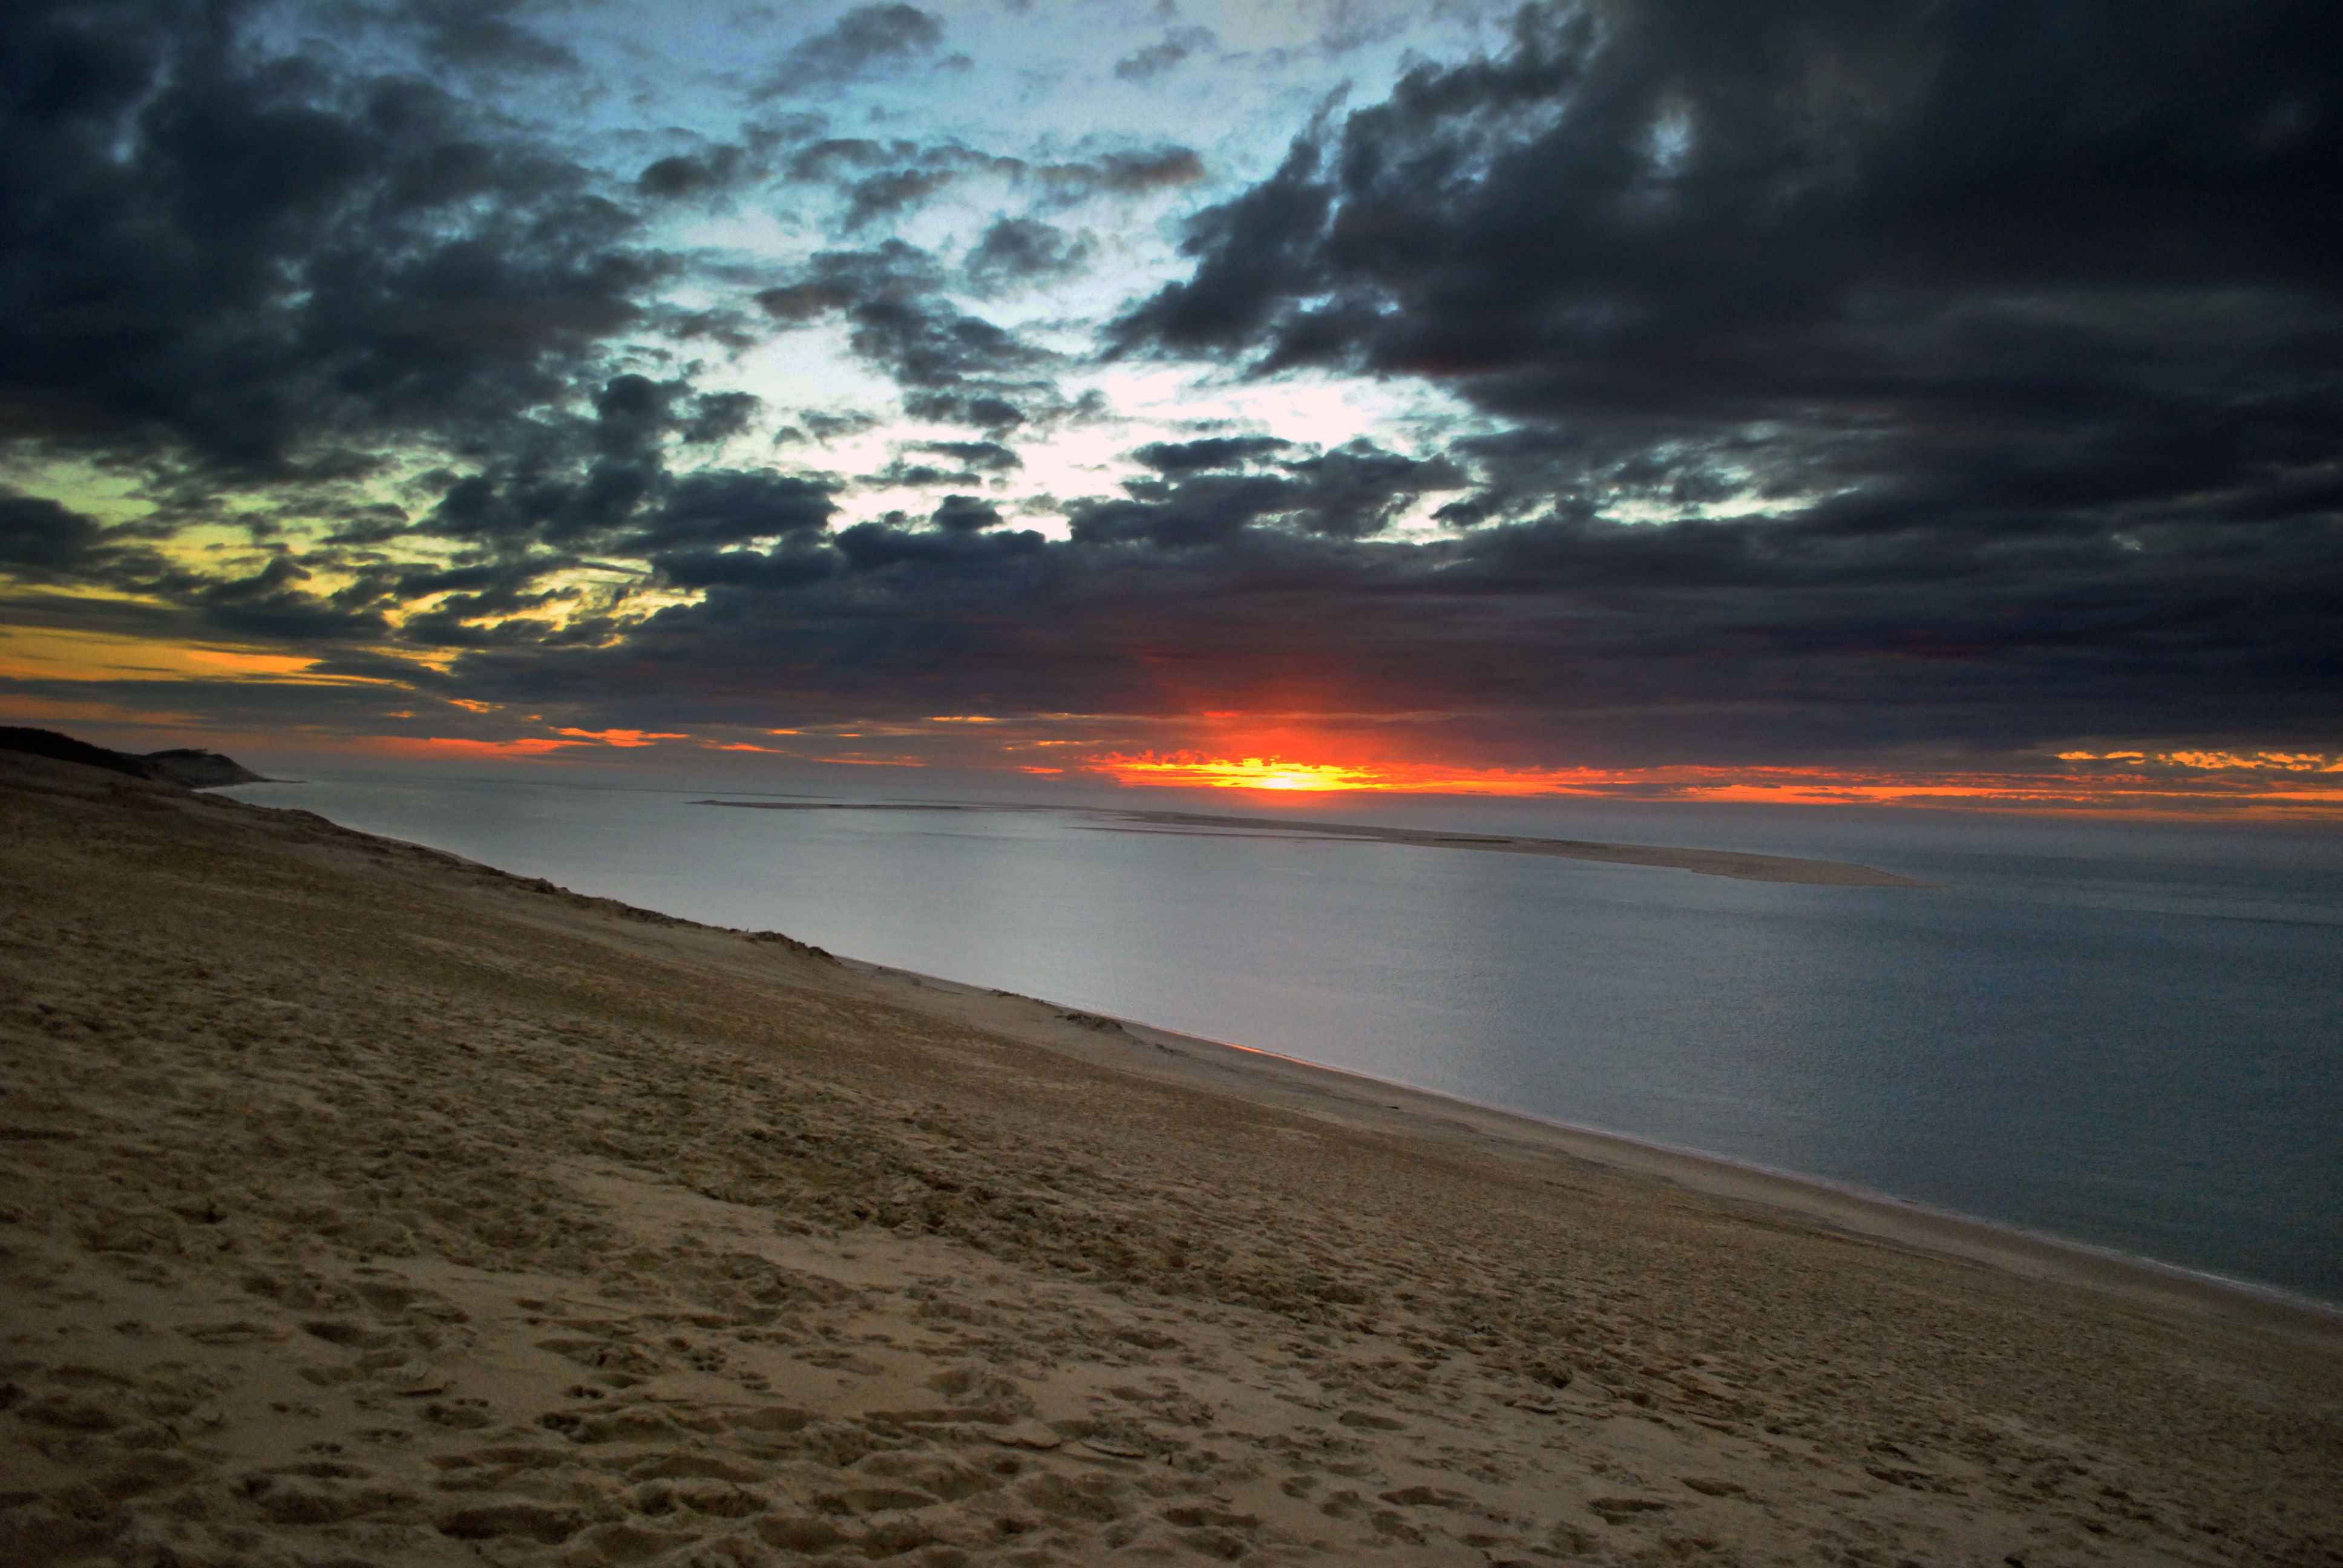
360	1205
1748	868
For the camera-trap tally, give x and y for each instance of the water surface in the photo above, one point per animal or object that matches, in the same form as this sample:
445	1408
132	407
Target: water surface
2126	1036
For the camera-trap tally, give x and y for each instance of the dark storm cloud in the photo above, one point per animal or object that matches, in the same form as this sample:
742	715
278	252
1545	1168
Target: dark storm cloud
887	179
503	580
44	541
824	425
1936	384
965	514
1843	382
581	489
367	526
718	416
1204	510
479	35
952	368
1351	492
1616	645
271	604
983	457
721	507
834	157
958	463
1707	216
897	191
883	180
38	536
1130	172
1988	329
957	546
783	567
681	176
1166	53
1215	452
248	260
1019	250
927	344
868	41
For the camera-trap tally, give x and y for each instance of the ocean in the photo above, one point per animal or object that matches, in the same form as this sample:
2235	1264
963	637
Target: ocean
2127	1036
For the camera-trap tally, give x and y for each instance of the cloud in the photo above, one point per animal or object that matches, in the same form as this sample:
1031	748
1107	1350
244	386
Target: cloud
965	514
1815	382
684	175
271	604
1020	250
1801	206
255	264
1166	53
1135	172
718	416
868	41
38	536
725	507
953	368
1258	253
480	34
1352	492
900	190
2001	317
882	180
1216	452
970	463
778	569
983	457
957	547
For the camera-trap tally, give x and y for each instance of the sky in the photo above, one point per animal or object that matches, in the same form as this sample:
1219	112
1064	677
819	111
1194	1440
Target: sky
1922	404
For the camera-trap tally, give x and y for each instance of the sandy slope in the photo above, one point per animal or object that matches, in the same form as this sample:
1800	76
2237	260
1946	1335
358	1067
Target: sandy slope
365	1207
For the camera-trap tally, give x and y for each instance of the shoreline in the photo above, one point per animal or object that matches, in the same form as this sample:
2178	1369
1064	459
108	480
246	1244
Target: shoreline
360	1203
1871	1215
1868	1213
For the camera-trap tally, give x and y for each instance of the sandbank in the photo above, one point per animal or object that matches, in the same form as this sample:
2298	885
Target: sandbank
362	1205
1734	863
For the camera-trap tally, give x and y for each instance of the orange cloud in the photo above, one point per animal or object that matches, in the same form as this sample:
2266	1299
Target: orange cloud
450	746
622	737
525	746
250	663
16	709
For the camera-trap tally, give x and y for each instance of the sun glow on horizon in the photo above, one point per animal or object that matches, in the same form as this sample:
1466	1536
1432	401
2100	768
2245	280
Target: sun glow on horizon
2190	791
1186	771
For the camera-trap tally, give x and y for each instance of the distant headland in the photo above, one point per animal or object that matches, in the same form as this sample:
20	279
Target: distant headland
183	766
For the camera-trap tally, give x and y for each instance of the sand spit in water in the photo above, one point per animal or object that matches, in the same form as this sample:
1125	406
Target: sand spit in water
1747	867
360	1205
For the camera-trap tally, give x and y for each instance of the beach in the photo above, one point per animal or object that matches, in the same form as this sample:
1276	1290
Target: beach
363	1205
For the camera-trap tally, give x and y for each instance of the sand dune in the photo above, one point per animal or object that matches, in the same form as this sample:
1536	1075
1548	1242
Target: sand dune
361	1206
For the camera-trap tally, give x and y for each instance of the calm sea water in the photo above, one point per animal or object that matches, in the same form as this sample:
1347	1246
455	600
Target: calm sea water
2128	1037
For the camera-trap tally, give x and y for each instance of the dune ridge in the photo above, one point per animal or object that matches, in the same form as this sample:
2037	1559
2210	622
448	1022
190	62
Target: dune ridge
360	1205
